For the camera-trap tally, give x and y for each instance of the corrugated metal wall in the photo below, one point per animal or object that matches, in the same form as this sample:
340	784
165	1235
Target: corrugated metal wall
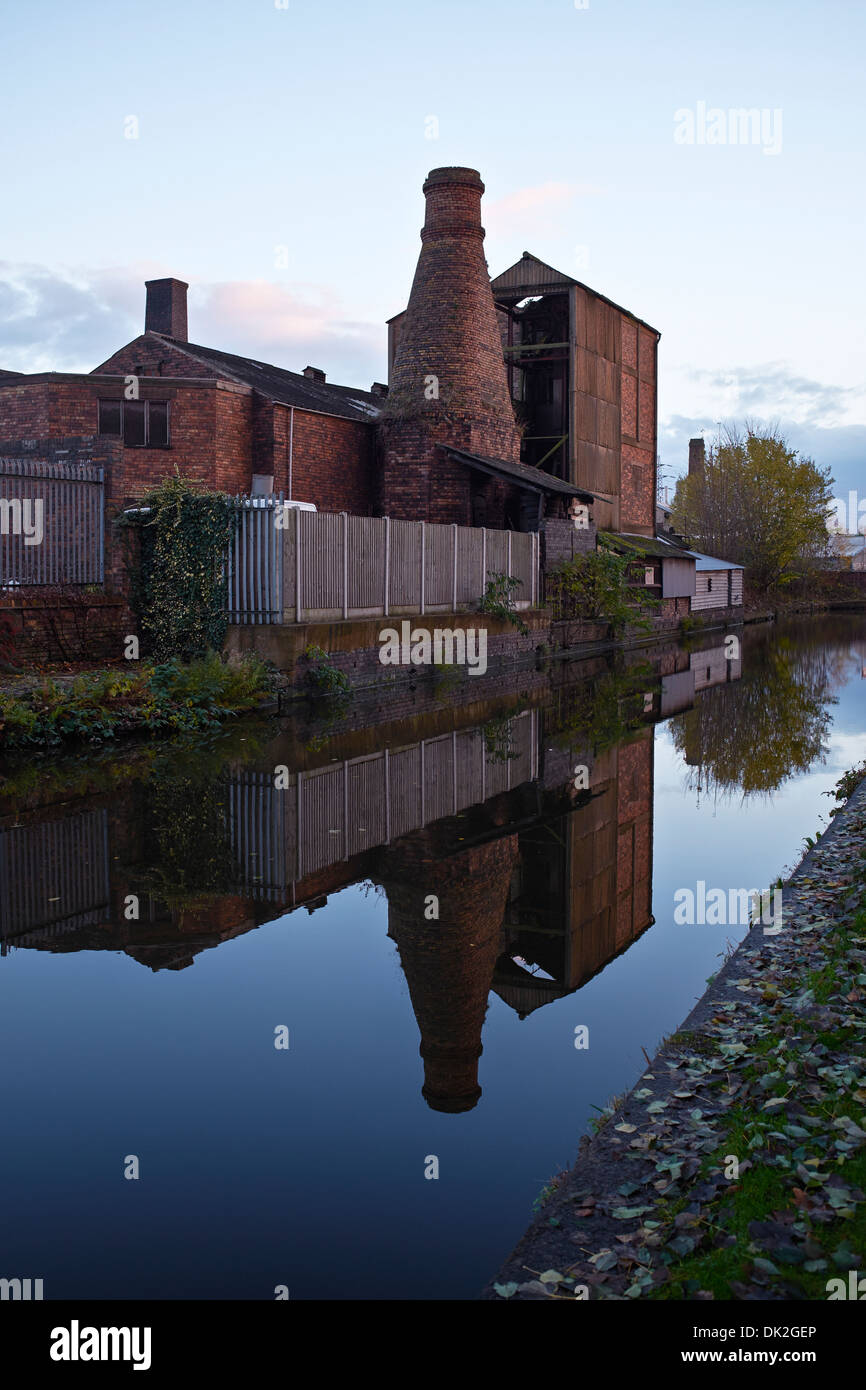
69	515
54	876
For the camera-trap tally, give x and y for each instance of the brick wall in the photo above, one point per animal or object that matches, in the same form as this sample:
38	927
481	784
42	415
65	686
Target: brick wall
448	384
561	540
66	624
333	461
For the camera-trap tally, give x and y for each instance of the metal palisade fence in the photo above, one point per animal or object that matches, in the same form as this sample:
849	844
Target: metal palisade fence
52	523
254	569
292	566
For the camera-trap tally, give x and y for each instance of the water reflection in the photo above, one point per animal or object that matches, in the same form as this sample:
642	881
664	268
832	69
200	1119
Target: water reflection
502	871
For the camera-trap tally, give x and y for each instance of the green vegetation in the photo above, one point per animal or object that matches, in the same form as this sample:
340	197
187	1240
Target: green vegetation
753	1206
749	738
498	599
498	735
166	698
595	588
322	678
757	503
178	575
601	711
447	677
847	785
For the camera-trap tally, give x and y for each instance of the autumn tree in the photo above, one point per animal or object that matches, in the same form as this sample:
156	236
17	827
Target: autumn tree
757	503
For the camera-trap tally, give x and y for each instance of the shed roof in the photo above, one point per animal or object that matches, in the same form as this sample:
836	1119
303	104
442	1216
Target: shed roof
668	550
710	562
521	474
647	545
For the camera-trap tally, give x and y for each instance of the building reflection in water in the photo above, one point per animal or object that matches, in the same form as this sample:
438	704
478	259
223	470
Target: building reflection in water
537	880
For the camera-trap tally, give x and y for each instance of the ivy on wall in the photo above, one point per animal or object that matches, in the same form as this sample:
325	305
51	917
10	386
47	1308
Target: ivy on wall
178	575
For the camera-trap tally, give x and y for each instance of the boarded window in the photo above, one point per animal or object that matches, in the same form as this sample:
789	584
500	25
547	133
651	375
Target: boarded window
109	417
133	423
140	423
157	424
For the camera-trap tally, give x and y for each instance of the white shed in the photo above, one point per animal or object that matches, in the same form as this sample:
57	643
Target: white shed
718	583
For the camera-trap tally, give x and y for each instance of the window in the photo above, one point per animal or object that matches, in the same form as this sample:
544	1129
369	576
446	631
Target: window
109	417
141	424
709	586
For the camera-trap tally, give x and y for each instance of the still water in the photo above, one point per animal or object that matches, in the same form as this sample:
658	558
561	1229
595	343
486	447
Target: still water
169	914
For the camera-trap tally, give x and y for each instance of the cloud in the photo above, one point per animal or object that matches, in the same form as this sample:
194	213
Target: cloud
70	320
537	211
61	321
841	448
293	327
772	389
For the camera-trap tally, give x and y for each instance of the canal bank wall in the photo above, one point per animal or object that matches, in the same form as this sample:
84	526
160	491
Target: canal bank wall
355	647
734	1167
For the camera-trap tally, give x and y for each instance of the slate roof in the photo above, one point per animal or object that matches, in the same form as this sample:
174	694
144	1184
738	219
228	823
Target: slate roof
668	550
709	562
288	388
523	474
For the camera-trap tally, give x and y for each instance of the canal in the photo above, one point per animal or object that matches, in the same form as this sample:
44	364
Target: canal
319	986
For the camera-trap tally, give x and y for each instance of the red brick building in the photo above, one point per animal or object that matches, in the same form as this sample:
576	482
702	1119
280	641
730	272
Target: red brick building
223	420
508	401
582	375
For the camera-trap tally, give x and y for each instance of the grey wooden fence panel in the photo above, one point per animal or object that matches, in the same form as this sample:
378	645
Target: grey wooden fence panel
407	810
469	548
404	587
366	563
497	552
322	551
343	565
438	567
280	835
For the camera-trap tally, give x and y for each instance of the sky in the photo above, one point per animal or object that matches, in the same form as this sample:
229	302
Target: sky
272	155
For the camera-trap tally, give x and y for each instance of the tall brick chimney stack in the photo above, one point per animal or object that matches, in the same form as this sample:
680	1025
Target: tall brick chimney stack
449	383
166	308
697	456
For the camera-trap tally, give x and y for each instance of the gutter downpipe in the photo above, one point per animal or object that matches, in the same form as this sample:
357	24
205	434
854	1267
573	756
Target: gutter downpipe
291	444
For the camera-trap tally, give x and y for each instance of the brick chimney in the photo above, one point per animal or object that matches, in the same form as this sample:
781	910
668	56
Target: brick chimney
697	455
166	308
448	384
314	373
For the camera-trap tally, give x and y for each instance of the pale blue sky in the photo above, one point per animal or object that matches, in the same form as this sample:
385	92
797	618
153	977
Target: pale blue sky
307	128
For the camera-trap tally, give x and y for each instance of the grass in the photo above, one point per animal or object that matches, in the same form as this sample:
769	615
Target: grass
762	1190
97	707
